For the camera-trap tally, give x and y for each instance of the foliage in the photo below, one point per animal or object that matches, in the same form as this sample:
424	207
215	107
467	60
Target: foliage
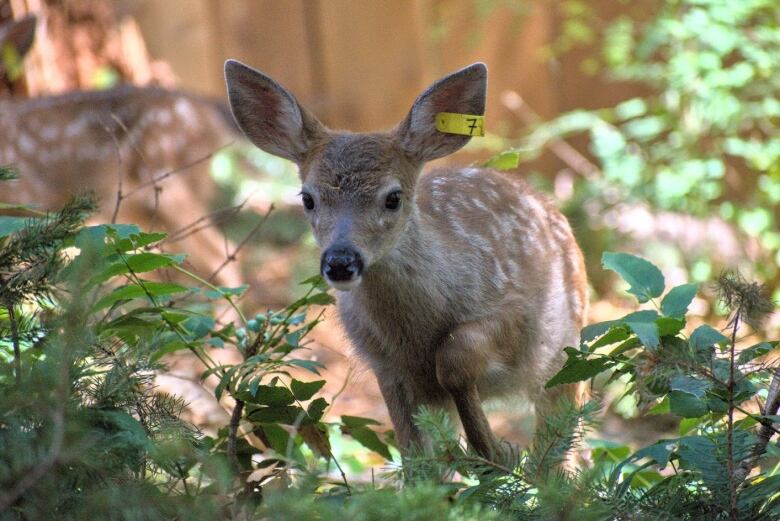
701	378
87	314
703	137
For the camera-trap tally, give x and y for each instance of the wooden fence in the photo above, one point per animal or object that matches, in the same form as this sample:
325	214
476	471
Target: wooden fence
357	63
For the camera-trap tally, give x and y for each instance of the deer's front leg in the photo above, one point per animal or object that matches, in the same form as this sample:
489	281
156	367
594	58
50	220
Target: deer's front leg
401	408
461	361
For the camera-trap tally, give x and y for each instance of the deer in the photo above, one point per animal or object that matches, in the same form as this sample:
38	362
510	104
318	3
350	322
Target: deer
454	284
125	144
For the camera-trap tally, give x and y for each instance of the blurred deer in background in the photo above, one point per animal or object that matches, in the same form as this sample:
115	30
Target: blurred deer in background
124	143
455	285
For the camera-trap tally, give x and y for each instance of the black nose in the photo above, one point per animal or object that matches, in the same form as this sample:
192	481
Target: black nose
341	263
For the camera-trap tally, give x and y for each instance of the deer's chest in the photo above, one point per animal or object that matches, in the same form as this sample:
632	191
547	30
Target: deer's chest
396	330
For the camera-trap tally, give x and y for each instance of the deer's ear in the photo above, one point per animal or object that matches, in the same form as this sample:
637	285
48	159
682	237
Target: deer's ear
269	115
19	35
462	92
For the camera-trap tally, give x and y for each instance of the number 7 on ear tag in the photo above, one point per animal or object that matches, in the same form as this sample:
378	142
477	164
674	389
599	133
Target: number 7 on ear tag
463	124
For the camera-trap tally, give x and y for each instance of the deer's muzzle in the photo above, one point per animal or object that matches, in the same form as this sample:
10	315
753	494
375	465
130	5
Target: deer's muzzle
341	265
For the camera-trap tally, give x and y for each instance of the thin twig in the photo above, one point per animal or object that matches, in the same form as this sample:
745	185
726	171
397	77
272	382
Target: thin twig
232	256
219	216
120	174
563	150
489	463
341	389
238	410
730	424
119	195
235	419
177	170
343	475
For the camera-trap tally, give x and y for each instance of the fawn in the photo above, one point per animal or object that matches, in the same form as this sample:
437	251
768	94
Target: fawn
455	285
96	139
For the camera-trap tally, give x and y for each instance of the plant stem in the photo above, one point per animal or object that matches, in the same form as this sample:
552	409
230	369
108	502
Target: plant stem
232	255
235	419
238	411
730	425
15	341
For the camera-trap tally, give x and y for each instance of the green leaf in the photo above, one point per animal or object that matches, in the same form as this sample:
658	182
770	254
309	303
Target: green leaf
358	421
137	240
592	331
270	395
148	261
134	291
658	452
223	383
661	407
690	384
224	291
578	370
368	439
643	324
198	325
668	326
504	161
645	280
756	351
138	263
276	436
705	336
688	425
613	336
316	409
321	299
631	343
285	414
317	281
686	405
293	339
611	450
305	390
170	347
254	384
309	365
676	302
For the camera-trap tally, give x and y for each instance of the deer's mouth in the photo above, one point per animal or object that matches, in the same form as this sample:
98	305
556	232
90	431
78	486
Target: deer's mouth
344	285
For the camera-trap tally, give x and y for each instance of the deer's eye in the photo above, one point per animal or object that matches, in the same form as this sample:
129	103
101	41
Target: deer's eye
308	201
393	200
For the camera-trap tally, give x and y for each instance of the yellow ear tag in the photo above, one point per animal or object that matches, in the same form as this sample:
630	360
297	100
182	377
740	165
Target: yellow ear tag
463	124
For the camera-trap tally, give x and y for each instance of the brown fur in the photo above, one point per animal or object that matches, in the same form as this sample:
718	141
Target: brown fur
471	289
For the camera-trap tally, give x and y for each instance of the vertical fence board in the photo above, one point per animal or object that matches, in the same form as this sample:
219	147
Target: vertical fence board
271	36
373	56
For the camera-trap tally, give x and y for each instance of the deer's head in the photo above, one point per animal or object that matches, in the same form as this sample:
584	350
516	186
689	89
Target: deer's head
358	189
